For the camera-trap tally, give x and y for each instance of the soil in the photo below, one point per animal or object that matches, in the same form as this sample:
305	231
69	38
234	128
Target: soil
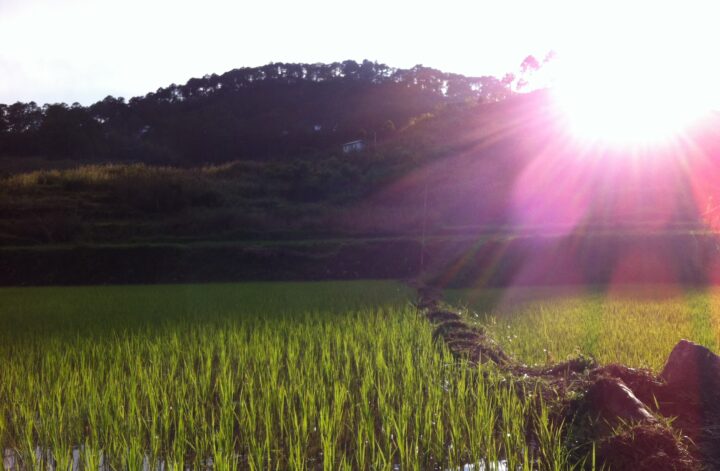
636	419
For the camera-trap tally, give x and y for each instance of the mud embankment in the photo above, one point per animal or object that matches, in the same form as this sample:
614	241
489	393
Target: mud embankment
635	418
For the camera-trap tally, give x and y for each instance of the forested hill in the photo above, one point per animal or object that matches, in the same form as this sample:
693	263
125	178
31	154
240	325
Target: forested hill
275	111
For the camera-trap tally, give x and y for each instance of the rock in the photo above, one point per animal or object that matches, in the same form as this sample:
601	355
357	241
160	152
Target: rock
692	367
692	377
611	399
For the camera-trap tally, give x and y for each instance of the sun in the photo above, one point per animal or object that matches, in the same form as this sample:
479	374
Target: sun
609	107
642	82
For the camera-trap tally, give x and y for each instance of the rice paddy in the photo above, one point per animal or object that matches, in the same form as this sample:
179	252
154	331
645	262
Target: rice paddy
250	376
634	326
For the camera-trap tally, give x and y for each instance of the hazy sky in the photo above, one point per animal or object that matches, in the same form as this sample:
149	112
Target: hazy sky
83	50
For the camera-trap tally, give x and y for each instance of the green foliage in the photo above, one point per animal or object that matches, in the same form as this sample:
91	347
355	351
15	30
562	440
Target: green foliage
277	110
628	327
76	204
261	376
308	192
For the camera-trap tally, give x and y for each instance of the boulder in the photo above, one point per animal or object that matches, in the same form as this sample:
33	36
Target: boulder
692	397
692	367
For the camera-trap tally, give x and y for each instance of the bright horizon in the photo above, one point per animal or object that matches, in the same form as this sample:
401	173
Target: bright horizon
81	50
84	50
624	73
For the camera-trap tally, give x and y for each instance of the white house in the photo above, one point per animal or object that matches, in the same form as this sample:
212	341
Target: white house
353	146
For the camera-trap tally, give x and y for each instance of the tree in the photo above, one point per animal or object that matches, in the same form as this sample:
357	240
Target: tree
246	113
493	90
3	119
529	64
367	71
23	117
68	131
460	88
350	69
528	67
110	109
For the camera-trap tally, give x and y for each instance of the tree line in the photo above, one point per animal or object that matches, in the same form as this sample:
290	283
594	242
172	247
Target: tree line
274	111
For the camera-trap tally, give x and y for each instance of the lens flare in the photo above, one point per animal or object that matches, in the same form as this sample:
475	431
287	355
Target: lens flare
644	80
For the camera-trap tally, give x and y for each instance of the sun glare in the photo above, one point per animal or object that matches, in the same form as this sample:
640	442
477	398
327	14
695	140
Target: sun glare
618	110
642	83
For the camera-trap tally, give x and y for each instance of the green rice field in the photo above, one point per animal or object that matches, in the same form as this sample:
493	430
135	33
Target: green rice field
634	326
332	375
250	376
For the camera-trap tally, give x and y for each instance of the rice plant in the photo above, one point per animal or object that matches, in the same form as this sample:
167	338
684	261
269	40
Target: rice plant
258	376
636	326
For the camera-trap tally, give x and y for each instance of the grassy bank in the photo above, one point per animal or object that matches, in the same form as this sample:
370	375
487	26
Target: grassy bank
256	376
635	326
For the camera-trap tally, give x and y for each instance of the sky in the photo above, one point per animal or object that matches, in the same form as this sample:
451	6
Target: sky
84	50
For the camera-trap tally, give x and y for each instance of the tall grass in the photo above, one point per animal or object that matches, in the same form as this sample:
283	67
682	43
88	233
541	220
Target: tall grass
96	174
637	327
284	376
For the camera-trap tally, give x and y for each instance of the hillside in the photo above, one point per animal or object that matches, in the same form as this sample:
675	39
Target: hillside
513	164
470	167
277	111
468	172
